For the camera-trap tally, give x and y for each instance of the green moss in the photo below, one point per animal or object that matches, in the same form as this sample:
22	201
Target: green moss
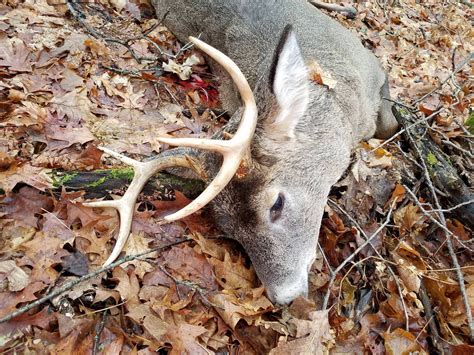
97	183
123	173
403	110
470	123
431	159
61	180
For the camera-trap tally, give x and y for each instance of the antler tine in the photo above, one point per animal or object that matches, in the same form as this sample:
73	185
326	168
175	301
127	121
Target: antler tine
229	166
198	143
232	150
126	204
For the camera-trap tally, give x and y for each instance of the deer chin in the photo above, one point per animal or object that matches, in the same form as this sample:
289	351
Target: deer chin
286	292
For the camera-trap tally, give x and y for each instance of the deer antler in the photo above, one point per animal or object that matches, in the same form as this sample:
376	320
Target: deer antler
231	150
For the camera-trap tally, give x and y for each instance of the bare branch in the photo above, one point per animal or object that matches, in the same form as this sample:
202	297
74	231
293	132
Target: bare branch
357	251
70	285
392	273
348	11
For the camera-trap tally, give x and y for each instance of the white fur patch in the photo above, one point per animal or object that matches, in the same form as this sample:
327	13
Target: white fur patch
291	87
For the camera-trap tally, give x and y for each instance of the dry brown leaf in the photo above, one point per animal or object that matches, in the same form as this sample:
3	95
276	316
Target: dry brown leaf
400	342
313	336
75	104
233	308
17	278
15	55
26	173
320	76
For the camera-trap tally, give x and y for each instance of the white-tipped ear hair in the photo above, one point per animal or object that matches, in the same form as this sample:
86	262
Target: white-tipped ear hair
290	85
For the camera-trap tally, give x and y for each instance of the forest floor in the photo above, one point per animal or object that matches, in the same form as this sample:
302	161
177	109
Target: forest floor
396	267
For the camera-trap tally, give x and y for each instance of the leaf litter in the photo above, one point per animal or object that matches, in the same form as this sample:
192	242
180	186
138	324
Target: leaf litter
65	89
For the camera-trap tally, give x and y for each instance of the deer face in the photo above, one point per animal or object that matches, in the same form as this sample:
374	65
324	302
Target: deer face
276	220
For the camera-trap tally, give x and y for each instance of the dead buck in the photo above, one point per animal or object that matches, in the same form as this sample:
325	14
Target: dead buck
303	137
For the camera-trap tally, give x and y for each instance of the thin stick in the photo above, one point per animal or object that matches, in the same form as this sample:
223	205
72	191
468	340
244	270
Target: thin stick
392	273
348	11
429	315
403	130
70	285
357	251
465	203
98	332
449	242
434	220
455	71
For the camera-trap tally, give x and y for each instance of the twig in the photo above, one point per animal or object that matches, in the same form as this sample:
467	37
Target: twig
407	156
403	130
80	17
449	242
434	220
70	285
392	273
451	76
357	251
451	144
465	203
325	258
98	331
348	11
193	286
429	315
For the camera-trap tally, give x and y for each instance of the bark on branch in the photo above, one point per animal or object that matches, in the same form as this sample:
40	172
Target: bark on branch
103	183
444	175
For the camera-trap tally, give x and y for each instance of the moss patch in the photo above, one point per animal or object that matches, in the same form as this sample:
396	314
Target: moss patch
61	180
122	173
431	159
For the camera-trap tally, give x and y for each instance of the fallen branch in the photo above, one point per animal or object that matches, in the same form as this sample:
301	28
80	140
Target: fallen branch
348	11
438	169
103	183
440	174
70	285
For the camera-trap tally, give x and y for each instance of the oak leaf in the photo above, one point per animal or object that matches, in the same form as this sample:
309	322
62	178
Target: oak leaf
15	55
17	278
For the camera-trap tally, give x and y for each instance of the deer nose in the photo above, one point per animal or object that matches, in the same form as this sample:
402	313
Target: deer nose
285	292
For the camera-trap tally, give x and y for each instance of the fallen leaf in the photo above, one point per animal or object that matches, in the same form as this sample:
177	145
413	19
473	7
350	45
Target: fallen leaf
17	278
313	336
400	342
320	76
26	173
184	70
15	55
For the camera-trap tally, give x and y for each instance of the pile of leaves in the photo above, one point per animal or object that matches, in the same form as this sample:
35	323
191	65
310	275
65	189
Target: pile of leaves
74	77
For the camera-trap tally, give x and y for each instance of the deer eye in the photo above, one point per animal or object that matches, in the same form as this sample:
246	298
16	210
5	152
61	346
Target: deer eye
275	211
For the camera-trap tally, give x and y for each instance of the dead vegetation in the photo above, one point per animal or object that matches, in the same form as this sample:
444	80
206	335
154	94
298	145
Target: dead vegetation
395	274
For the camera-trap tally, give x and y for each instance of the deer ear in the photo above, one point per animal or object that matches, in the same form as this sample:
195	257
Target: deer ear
290	85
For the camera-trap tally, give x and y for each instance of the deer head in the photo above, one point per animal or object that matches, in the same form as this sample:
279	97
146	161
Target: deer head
274	211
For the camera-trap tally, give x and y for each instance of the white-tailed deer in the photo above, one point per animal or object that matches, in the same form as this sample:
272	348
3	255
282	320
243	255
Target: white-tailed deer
303	137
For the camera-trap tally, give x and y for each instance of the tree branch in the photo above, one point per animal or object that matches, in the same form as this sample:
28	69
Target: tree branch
70	285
